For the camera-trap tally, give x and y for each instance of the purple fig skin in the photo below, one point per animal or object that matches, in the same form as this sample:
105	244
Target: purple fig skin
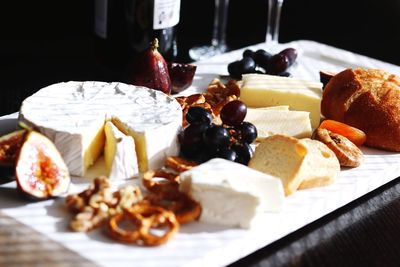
150	70
181	76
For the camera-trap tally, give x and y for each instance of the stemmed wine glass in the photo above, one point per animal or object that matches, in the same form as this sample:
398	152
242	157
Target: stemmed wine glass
218	41
274	16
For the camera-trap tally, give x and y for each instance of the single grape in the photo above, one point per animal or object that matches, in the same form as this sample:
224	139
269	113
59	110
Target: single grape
278	64
248	53
198	115
262	58
226	153
193	134
235	69
216	136
248	65
244	152
291	54
247	132
233	113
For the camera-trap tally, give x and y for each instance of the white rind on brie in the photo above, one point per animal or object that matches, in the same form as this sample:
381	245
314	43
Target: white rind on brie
119	154
72	115
231	193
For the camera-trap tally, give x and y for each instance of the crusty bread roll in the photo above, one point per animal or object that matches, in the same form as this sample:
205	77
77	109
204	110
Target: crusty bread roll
367	99
299	163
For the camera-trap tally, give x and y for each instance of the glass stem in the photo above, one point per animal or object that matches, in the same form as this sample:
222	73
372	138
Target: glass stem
274	16
220	21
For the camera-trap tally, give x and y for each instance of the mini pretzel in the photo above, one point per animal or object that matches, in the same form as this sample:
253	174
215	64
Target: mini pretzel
145	218
166	186
179	164
184	207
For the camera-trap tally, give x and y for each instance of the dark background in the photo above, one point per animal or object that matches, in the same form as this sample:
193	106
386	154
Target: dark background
42	42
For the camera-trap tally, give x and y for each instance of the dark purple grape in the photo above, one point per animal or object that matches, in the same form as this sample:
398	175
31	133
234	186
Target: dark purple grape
290	53
245	65
226	153
285	74
193	134
247	132
197	115
235	69
278	64
248	53
192	151
248	65
262	58
216	136
233	113
244	152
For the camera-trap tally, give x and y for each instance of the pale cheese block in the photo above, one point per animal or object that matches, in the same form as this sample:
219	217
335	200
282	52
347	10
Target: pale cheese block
299	163
262	90
119	154
231	193
279	121
73	114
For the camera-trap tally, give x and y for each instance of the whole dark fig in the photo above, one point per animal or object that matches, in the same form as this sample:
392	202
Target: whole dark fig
151	70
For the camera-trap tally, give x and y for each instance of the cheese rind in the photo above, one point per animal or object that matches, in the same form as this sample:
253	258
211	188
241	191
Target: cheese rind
72	113
278	121
231	193
119	154
261	90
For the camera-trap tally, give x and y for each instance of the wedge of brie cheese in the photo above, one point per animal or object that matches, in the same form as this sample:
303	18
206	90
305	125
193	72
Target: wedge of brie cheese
279	121
230	193
73	114
261	90
119	154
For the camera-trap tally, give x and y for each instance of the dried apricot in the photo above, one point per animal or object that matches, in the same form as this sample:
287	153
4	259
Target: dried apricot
357	136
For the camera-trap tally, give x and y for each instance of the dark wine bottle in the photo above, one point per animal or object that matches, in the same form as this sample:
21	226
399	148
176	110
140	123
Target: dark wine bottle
123	28
149	19
111	41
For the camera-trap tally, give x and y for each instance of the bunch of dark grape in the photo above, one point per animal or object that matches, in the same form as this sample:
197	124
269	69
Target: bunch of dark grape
261	61
202	139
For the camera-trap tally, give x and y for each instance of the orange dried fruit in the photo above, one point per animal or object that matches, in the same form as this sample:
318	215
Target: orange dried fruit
357	136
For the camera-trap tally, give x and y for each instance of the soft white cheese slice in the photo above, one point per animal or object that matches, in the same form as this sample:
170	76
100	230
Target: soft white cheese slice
119	154
279	121
230	193
261	90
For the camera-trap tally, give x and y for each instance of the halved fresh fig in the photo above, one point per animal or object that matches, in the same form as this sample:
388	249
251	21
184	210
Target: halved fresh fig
10	144
181	75
41	172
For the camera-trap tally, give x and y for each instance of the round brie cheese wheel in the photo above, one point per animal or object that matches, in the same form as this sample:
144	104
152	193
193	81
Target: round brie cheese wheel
73	114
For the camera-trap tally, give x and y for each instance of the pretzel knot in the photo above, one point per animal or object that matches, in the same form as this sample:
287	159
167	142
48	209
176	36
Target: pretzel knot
183	206
161	182
152	225
179	164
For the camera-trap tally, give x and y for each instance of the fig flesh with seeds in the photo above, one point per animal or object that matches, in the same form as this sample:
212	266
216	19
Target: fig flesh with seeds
41	172
10	145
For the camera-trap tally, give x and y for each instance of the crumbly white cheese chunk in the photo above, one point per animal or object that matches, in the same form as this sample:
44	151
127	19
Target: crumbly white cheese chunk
230	193
72	115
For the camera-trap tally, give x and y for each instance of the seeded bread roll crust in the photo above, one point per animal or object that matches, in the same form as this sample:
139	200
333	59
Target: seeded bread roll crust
368	99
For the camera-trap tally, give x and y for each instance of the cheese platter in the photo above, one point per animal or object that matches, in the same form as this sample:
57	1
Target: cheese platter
206	244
